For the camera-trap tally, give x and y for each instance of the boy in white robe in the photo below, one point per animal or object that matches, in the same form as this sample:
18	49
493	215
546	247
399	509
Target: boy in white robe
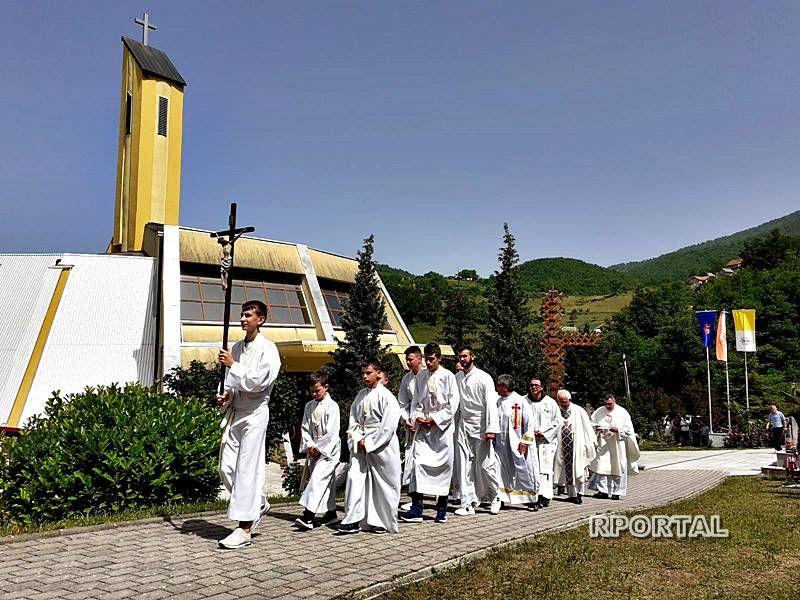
253	365
547	417
476	473
576	447
320	440
405	396
515	446
429	461
617	451
373	480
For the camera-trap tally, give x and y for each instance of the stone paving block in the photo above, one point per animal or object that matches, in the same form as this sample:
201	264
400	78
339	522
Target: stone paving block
163	560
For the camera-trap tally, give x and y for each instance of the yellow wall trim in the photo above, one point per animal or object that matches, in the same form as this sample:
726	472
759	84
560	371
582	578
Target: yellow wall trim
38	350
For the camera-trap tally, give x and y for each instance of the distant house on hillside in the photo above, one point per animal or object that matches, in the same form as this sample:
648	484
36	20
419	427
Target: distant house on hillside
695	281
734	263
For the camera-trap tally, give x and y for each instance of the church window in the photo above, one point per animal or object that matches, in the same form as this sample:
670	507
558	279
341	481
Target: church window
163	109
336	297
128	113
335	301
202	299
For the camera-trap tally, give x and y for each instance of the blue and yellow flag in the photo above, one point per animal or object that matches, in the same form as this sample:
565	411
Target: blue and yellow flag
705	319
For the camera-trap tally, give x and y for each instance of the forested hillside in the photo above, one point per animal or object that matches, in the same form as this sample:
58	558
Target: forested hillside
573	276
707	256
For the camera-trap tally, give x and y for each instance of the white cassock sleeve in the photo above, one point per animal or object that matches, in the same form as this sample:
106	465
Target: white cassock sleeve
390	413
306	439
262	372
404	396
549	423
444	416
354	433
528	425
490	401
328	442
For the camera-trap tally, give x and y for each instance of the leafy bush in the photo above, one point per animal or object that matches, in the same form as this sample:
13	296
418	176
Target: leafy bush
108	449
754	438
196	381
292	475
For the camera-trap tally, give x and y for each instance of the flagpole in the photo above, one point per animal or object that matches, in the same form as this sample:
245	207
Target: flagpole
746	387
708	371
728	388
627	381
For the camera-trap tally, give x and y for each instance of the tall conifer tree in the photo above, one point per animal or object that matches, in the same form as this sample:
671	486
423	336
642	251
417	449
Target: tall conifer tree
510	346
363	320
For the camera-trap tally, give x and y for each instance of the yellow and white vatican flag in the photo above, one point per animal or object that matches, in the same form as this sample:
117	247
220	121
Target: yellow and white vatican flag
744	322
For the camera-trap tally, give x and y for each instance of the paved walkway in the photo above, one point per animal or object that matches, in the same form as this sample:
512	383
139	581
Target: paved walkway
734	462
179	558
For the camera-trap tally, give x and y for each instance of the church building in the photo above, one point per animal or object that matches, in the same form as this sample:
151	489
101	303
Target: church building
154	300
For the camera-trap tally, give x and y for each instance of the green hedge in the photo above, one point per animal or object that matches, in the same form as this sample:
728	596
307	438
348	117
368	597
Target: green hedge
109	449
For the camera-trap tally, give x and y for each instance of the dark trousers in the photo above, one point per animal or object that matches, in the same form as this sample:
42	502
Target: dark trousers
416	500
776	438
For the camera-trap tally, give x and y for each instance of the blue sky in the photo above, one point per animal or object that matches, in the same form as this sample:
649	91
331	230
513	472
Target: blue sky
608	131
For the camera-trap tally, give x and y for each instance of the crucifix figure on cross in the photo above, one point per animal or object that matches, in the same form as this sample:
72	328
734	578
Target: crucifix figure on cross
227	239
146	26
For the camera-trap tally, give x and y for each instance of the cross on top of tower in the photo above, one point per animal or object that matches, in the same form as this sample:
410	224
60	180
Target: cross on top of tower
146	26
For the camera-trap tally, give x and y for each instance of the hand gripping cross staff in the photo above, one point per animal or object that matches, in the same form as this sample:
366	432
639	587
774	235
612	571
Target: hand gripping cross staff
227	239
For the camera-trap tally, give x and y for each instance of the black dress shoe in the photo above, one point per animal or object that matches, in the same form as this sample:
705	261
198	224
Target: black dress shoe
578	499
615	497
544	502
600	495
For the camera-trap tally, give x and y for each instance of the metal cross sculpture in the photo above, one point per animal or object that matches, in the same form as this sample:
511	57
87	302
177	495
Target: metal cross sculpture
556	341
227	239
146	26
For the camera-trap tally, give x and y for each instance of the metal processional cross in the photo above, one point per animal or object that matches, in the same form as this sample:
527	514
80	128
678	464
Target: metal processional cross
146	26
227	239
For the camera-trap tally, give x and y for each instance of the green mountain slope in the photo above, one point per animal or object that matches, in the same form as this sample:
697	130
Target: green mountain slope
573	276
707	256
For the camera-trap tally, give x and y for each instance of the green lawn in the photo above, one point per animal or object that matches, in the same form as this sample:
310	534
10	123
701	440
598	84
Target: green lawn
760	559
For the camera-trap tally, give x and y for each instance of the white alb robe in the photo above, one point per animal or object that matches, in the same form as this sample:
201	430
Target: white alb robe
571	470
476	477
547	419
617	452
242	455
429	459
373	480
519	473
320	430
405	397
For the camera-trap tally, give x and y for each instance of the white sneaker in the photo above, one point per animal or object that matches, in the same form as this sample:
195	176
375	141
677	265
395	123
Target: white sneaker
405	507
465	511
237	539
495	507
265	508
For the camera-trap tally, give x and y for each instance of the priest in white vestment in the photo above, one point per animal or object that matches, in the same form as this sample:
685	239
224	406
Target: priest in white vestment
515	445
617	451
576	447
373	480
547	419
253	365
476	478
429	461
320	441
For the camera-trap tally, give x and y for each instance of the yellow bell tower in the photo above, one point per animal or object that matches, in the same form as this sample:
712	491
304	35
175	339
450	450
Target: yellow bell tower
148	186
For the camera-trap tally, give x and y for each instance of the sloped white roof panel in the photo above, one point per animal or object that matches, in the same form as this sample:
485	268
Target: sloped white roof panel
105	328
25	293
